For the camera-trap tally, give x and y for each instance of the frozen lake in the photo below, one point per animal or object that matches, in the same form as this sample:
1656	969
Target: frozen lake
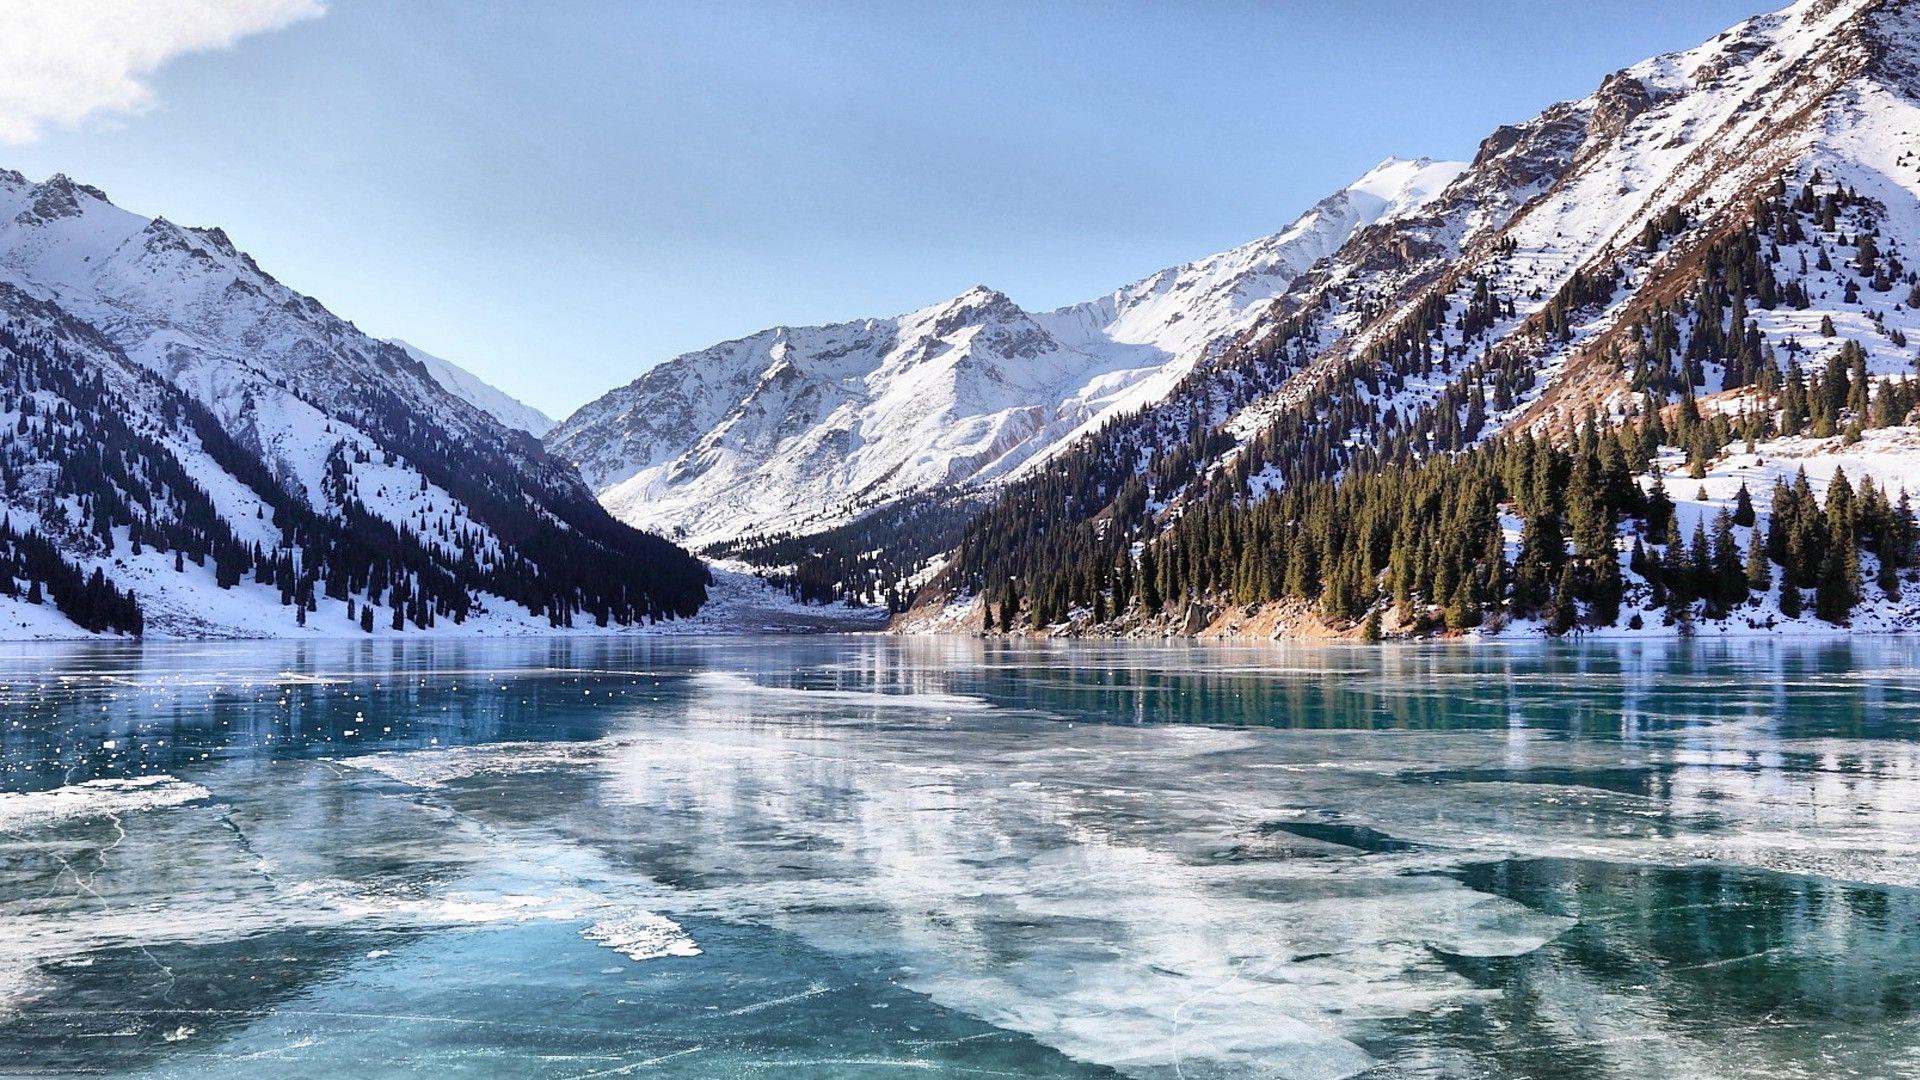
814	857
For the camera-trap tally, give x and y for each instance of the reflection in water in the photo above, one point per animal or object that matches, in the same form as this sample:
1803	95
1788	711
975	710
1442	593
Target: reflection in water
1662	859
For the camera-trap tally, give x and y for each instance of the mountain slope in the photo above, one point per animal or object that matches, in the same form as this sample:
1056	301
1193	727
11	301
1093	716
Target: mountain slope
476	391
797	429
1686	241
376	485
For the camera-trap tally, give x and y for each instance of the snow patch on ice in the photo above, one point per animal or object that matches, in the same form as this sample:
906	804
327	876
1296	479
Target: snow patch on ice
94	798
642	935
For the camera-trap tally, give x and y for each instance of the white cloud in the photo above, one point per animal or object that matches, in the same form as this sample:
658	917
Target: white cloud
64	60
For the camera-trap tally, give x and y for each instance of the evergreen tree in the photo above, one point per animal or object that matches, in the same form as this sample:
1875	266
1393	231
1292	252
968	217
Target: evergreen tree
1743	514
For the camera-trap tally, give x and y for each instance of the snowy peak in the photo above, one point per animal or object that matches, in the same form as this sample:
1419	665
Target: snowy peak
58	198
1697	133
1521	291
187	302
1188	307
797	425
1402	186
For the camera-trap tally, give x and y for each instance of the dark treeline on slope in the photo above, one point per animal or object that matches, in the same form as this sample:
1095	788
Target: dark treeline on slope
1107	492
91	467
32	569
1087	535
564	555
869	561
1426	540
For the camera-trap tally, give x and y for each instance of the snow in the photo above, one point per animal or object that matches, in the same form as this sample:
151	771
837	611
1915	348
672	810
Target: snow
189	605
1573	187
94	798
21	621
191	306
1700	130
1890	457
642	935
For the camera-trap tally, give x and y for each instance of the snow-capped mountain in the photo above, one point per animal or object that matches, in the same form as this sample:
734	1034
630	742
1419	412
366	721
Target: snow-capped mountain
476	391
1721	232
801	428
160	384
1618	193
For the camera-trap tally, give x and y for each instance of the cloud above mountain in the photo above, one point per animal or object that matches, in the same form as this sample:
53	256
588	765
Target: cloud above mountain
62	62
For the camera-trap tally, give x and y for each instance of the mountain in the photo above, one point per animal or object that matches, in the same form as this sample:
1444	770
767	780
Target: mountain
1698	267
797	429
475	391
182	427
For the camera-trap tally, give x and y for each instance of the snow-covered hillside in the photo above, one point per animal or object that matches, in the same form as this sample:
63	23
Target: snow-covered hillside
183	426
798	428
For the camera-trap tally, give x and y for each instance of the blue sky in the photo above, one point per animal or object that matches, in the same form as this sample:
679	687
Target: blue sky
559	195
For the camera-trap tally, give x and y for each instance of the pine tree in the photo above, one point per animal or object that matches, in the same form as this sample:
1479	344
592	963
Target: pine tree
1606	591
1790	601
1463	609
1562	611
1759	571
1150	597
1743	514
1838	587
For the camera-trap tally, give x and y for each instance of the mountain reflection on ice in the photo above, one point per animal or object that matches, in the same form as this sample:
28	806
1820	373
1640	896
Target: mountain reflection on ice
834	857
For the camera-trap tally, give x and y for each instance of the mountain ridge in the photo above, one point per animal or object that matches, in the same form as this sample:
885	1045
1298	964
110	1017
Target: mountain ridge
479	393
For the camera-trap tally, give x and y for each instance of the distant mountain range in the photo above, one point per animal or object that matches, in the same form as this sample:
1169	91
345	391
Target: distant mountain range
471	389
802	428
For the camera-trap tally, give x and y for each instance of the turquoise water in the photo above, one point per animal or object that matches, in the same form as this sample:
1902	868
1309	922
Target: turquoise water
874	857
